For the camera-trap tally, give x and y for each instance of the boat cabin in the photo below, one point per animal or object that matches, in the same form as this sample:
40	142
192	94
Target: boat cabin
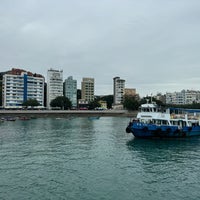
150	113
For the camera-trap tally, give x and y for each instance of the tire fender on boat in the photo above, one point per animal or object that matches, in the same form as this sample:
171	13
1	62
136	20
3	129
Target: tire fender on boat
128	129
145	129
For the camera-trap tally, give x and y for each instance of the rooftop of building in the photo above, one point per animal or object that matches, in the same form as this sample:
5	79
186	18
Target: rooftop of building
17	71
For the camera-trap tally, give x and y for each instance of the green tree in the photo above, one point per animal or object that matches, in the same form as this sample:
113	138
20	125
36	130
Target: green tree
185	106
31	102
109	100
63	102
94	104
130	103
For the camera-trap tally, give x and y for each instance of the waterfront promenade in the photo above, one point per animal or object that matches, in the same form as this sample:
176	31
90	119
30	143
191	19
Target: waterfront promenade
66	113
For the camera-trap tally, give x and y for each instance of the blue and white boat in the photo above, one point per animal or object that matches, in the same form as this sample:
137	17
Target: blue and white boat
153	121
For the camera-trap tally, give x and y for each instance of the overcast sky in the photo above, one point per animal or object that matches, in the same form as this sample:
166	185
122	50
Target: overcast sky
154	45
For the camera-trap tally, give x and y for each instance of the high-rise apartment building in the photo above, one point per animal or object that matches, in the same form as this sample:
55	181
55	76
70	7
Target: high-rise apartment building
54	85
118	90
1	85
18	86
71	90
87	89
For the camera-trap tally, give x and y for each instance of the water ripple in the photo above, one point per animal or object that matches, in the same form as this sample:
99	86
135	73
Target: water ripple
83	159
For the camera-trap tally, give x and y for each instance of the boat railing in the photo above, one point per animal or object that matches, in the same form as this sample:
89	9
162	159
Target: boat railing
193	117
177	116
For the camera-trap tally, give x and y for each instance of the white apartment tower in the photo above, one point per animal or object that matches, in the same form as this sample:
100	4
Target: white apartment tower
54	85
87	89
118	90
19	86
71	90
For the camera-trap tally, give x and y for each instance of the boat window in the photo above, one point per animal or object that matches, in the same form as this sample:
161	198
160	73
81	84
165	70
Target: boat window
158	122
174	123
182	123
164	122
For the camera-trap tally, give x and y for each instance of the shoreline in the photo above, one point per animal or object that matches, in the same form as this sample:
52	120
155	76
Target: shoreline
66	113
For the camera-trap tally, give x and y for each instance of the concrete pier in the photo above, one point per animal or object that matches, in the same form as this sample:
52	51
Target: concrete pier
66	113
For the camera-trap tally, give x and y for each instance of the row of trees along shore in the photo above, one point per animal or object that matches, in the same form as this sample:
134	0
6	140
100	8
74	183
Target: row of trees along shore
63	103
130	103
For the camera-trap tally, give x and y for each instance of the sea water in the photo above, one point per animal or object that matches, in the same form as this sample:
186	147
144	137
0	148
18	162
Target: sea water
78	158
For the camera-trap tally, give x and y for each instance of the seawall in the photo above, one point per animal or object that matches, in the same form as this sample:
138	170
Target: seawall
66	113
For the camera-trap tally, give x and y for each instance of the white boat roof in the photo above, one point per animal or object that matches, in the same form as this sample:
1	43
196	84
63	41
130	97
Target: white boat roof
148	105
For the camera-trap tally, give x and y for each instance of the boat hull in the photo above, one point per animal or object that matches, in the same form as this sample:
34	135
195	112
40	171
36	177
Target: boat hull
141	130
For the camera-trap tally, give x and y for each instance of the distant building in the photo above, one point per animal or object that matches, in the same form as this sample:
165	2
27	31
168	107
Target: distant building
54	85
103	104
1	85
183	97
83	104
130	92
118	90
19	85
87	89
71	90
160	97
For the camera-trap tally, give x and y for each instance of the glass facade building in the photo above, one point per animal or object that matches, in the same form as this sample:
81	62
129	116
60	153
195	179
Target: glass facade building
71	90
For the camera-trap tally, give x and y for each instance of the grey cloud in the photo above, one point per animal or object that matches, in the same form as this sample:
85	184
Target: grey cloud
152	44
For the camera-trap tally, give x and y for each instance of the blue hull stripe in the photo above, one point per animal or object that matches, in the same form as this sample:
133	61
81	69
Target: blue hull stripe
151	131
